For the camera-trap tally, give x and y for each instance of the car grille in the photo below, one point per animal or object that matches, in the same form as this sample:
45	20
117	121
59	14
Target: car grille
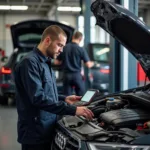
64	142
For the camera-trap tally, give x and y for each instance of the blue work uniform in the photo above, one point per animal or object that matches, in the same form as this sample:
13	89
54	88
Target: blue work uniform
37	100
71	58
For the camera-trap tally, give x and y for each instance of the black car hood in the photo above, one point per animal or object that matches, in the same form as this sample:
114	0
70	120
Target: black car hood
28	33
127	28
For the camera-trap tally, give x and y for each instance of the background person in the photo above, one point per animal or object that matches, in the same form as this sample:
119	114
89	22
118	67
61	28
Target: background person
71	60
37	100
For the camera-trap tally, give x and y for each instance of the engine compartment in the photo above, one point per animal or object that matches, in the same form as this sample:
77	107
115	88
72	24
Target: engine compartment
123	118
118	118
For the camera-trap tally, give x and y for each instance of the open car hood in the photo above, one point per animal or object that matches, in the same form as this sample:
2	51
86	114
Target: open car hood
126	27
28	33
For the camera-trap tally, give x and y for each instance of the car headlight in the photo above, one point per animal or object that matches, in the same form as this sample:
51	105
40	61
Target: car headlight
99	146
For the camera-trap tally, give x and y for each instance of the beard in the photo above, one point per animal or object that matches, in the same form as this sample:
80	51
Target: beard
49	51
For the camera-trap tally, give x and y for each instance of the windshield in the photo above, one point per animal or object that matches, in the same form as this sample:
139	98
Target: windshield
30	38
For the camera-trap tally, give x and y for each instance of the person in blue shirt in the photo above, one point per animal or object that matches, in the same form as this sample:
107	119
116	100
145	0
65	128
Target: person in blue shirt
71	60
37	100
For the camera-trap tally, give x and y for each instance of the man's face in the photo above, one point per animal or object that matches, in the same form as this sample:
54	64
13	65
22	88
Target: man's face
56	46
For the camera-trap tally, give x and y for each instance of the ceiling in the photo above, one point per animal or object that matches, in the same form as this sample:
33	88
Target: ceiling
40	6
43	6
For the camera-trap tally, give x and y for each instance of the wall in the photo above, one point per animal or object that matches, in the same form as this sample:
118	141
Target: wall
2	32
69	19
66	19
147	17
5	36
6	19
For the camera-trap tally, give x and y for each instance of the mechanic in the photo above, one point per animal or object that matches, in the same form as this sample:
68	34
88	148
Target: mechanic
71	60
37	100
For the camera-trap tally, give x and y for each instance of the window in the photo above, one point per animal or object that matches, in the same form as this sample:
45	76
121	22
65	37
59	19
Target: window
30	38
98	35
100	53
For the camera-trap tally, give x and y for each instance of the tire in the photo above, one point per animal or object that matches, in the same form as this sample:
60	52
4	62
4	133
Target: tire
4	100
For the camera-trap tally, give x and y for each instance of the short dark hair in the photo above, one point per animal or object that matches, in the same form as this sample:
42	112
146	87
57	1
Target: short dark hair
77	35
53	31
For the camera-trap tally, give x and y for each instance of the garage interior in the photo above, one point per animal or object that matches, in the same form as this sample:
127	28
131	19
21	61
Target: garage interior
54	10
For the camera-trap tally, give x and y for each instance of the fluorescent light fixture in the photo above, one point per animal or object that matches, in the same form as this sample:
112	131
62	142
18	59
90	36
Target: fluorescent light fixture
4	7
18	7
76	9
63	8
8	7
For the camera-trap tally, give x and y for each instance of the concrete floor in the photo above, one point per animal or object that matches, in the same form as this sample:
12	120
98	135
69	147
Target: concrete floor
8	129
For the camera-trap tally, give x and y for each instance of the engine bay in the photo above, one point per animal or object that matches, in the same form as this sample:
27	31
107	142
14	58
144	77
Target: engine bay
120	118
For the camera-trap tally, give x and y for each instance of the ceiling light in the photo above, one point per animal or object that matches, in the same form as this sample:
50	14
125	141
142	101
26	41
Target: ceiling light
62	8
8	7
18	7
4	7
76	9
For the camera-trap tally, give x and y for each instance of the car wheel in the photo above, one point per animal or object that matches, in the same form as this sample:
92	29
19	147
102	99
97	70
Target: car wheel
4	100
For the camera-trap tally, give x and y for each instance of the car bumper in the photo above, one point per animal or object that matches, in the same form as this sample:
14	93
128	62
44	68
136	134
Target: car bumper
7	90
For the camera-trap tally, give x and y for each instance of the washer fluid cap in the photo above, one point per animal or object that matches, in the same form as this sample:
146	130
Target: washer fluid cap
111	98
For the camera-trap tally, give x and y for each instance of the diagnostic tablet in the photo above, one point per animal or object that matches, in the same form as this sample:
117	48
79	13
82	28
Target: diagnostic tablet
87	98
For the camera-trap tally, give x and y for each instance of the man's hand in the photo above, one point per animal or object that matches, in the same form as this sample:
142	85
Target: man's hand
84	111
72	99
89	64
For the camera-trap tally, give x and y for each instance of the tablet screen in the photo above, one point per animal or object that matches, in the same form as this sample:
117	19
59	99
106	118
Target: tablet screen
88	95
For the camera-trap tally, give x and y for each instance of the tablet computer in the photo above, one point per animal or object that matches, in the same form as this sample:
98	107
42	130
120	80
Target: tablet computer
87	98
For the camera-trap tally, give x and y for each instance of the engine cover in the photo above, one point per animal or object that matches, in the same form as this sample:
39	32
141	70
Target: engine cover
125	117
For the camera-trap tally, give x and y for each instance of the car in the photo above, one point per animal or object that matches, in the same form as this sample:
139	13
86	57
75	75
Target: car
26	35
121	120
7	86
99	73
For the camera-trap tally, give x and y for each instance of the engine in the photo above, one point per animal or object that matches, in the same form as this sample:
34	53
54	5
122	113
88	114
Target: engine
122	117
117	119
